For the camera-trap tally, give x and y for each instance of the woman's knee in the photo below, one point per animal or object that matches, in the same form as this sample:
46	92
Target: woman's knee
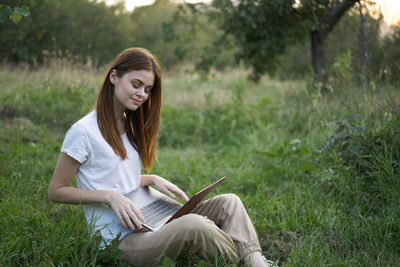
205	238
195	223
230	199
196	228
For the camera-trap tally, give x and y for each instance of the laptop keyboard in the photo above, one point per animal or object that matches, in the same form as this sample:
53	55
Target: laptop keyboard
158	210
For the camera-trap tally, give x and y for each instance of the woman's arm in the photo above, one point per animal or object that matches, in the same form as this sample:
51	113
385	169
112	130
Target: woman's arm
60	190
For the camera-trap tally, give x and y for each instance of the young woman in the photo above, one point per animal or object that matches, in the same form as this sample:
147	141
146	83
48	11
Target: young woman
105	149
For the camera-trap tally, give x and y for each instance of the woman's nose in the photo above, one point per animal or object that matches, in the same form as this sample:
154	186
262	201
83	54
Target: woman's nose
140	91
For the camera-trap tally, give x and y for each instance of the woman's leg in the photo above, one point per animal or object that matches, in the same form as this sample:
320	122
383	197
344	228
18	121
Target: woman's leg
191	232
229	214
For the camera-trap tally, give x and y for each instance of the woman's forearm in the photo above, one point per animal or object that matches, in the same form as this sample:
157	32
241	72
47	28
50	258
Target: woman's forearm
61	191
72	195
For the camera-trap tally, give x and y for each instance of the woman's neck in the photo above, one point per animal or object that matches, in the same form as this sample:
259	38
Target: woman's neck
120	119
119	112
121	126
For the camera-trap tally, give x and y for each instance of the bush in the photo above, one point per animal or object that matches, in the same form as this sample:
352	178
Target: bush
373	159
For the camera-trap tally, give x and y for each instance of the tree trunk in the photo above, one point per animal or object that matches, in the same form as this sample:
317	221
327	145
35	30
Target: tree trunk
318	56
318	36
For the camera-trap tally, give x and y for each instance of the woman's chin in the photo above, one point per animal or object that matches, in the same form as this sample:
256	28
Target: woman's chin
133	108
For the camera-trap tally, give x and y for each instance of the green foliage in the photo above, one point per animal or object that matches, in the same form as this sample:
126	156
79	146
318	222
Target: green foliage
266	36
379	54
212	125
295	62
364	179
15	15
60	28
385	62
196	38
261	30
310	208
341	72
373	156
35	232
148	32
90	31
52	106
363	46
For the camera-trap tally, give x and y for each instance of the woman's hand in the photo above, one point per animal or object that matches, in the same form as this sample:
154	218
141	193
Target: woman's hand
169	188
127	213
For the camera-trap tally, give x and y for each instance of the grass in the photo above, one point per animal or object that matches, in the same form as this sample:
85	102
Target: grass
317	172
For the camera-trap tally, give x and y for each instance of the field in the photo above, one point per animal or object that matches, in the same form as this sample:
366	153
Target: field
319	172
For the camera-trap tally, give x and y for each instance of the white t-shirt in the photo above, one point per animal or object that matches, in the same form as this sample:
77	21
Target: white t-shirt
101	169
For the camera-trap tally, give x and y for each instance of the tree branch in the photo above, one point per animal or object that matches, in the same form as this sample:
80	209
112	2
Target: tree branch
329	20
315	18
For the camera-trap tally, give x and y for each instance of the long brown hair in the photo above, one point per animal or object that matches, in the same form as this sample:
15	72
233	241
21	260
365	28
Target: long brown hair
141	125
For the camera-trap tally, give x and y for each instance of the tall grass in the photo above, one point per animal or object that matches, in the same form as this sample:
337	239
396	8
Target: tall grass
317	171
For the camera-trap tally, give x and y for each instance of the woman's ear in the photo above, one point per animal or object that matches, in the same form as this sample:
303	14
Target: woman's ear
113	76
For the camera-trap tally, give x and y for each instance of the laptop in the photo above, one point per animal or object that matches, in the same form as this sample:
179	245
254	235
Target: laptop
158	209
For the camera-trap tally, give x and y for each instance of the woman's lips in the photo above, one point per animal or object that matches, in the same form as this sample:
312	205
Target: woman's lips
137	102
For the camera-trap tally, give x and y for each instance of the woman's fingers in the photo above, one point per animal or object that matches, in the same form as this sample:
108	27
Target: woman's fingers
121	220
128	220
134	218
131	220
179	192
169	188
138	213
168	192
127	213
182	195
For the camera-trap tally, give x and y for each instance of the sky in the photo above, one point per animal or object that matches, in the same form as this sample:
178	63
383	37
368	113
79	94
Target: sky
131	4
389	8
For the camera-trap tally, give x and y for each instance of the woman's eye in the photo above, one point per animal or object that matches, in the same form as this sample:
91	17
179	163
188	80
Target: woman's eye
136	85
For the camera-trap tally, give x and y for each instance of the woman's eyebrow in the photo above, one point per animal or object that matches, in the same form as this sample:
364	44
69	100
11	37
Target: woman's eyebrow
140	81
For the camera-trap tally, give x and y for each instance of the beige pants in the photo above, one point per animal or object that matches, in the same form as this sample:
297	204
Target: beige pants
227	232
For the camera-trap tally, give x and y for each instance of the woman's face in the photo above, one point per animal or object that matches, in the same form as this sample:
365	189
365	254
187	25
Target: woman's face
132	89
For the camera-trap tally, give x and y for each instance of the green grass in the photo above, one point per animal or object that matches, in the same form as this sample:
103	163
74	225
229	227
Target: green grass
319	173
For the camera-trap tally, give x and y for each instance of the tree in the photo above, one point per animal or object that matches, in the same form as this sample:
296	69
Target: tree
331	12
182	36
148	32
262	29
77	29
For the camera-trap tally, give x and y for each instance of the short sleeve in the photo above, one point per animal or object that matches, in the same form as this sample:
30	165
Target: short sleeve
75	143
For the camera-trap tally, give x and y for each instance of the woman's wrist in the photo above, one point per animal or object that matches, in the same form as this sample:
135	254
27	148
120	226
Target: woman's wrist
108	196
148	179
155	178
